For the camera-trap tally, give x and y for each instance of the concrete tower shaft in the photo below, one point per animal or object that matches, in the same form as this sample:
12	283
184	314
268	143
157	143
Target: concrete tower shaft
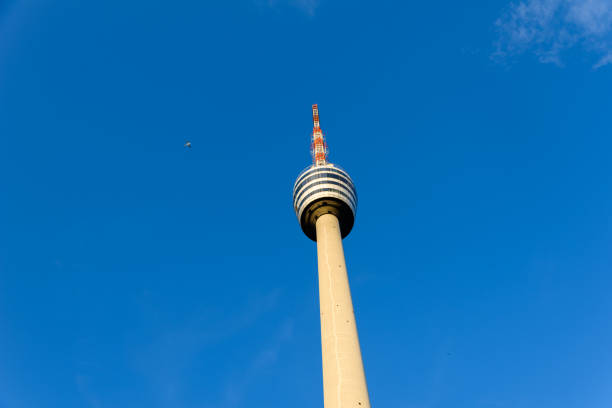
325	202
344	383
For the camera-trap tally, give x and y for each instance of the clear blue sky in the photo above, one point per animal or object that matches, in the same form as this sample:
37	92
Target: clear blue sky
137	273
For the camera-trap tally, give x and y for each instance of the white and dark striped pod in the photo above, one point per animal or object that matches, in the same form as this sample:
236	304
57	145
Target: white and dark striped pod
324	189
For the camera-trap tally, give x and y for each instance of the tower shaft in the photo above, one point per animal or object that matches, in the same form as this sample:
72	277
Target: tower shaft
344	383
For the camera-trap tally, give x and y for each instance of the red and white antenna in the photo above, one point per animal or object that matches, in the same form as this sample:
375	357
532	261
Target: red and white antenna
319	147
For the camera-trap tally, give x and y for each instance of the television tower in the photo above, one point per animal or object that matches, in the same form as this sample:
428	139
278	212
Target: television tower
325	201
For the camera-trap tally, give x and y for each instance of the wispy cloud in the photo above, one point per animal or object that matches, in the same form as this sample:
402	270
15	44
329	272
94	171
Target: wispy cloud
168	355
237	386
549	27
84	388
307	6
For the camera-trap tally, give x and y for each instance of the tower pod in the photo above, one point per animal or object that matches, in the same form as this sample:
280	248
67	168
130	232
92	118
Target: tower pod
324	189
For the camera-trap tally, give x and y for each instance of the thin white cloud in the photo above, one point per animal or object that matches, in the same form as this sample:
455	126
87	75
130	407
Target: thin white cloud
604	61
84	388
548	28
165	359
237	386
307	6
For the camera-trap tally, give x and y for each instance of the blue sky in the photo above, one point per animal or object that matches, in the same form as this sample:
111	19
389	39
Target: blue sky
136	272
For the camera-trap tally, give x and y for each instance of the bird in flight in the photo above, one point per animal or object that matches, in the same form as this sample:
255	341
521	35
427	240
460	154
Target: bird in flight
188	144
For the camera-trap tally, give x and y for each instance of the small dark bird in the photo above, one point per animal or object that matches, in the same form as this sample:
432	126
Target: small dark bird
188	144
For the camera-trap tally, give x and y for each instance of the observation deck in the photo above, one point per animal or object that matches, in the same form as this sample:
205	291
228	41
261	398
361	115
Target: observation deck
324	189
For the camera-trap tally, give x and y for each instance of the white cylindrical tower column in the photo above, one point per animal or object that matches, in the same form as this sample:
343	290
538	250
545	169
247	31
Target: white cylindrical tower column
325	202
344	383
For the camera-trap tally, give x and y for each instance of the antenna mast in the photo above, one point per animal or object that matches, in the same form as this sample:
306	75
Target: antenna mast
319	147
